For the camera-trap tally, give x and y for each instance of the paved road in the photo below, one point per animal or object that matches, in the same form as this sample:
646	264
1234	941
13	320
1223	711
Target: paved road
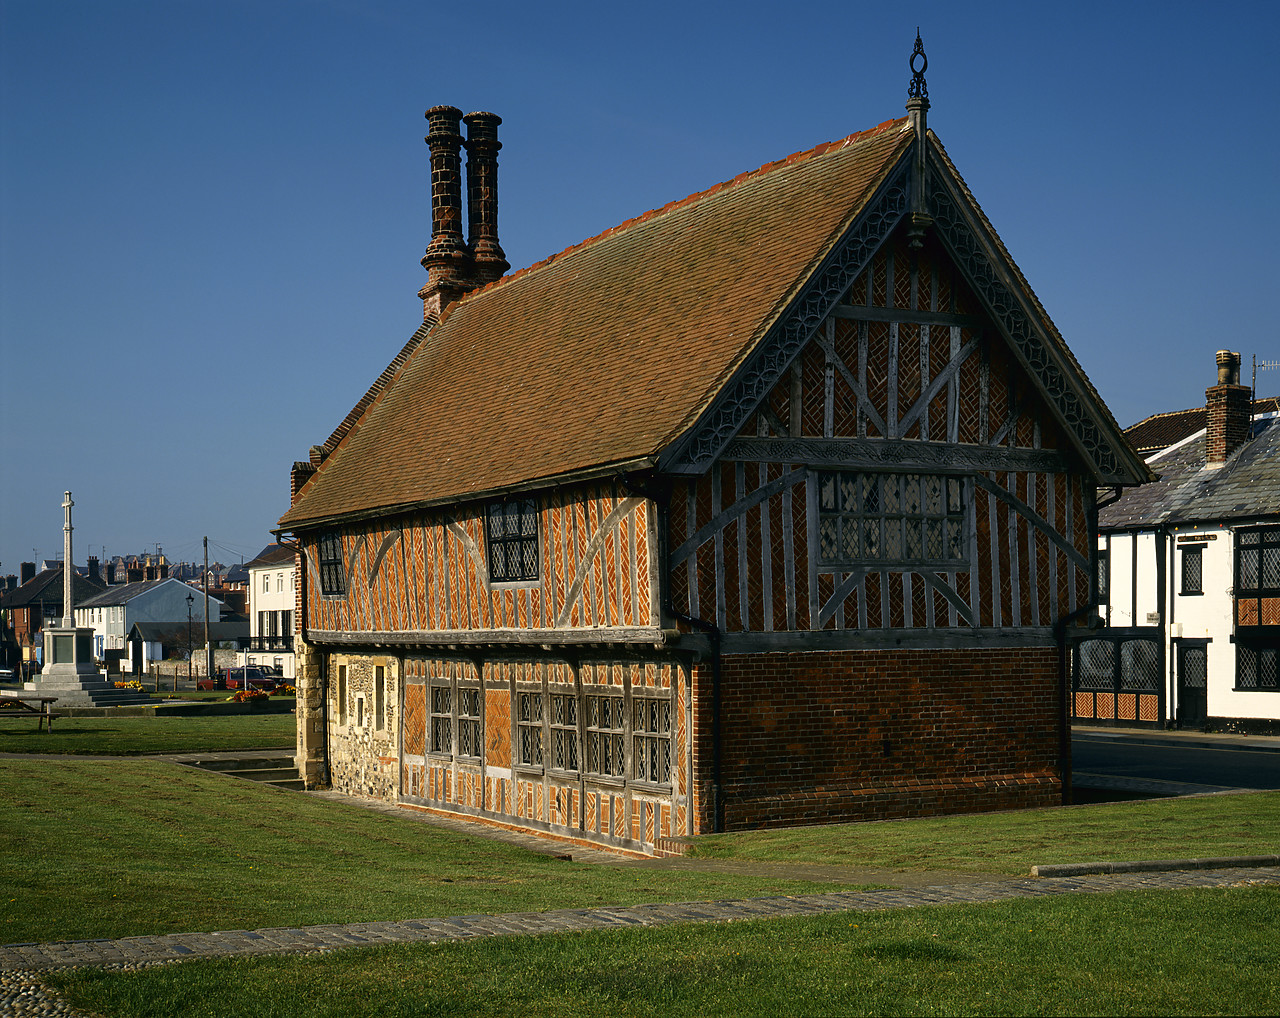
1146	760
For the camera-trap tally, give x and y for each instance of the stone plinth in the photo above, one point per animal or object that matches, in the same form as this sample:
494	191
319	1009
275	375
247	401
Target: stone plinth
70	674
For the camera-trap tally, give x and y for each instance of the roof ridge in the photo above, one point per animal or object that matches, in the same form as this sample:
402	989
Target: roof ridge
794	159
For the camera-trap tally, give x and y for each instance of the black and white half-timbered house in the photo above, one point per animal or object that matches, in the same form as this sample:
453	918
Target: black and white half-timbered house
769	506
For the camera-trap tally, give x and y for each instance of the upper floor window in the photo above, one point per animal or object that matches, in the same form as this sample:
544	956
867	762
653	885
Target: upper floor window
1103	586
266	584
511	532
891	519
279	583
333	576
1193	569
1258	561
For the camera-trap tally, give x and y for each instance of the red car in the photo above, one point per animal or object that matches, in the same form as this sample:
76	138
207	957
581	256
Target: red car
236	678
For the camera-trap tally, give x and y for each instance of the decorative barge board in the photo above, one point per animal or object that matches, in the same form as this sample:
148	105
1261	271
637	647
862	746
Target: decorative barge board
770	506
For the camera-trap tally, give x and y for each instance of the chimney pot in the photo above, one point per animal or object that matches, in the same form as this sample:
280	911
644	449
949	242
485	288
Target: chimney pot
1228	368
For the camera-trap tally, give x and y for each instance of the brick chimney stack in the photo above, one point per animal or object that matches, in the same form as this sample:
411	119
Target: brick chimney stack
482	196
1227	407
26	572
447	261
93	570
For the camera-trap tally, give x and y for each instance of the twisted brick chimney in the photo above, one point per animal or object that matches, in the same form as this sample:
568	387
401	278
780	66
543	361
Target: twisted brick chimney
482	197
447	261
1227	406
455	266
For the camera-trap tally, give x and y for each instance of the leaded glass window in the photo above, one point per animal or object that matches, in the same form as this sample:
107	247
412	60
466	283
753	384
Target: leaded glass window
1193	569
468	722
529	724
1195	667
1257	666
1258	561
651	740
441	719
606	725
333	574
891	519
564	731
511	530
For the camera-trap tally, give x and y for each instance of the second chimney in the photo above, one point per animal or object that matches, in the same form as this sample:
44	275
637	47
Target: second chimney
482	196
1227	407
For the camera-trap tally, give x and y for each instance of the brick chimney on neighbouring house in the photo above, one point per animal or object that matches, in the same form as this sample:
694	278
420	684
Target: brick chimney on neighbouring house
1227	407
455	266
93	570
26	571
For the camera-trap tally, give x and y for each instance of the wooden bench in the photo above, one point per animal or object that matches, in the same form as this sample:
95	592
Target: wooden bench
21	705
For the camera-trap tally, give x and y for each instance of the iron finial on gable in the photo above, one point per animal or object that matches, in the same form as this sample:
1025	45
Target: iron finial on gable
917	110
918	89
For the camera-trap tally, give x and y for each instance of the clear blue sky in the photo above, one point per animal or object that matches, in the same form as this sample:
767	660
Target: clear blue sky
211	213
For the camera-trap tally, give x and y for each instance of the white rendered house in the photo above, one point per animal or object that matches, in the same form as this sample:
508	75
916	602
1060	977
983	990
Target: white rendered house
272	587
114	612
1189	574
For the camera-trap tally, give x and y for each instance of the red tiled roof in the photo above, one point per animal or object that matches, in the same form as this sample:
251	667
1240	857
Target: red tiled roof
605	353
1159	431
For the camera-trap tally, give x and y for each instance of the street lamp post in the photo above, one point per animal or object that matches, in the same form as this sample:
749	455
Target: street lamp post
190	599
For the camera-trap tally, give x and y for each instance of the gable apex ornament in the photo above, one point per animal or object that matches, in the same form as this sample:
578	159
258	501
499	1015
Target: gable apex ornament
917	111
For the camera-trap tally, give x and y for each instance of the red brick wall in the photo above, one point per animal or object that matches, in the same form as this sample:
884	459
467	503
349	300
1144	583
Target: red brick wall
854	735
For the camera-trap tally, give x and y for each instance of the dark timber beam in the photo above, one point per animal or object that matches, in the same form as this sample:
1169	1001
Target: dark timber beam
906	316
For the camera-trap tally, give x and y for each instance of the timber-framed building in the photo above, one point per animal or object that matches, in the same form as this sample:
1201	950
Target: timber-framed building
768	506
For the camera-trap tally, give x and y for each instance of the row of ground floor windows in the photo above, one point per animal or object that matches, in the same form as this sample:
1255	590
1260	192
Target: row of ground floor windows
570	733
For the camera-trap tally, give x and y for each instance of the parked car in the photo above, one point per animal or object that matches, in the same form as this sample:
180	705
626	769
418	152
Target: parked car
252	676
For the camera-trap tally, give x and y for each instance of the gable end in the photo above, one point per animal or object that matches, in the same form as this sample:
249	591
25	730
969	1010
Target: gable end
1026	336
721	422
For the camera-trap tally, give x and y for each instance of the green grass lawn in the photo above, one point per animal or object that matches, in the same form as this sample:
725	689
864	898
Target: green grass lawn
1157	952
94	848
1014	842
110	736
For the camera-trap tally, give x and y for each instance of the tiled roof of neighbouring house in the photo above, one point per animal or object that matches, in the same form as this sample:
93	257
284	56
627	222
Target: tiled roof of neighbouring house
1159	431
46	587
1247	485
272	555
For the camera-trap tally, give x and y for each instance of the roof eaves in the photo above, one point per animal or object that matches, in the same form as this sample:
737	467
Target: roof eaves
632	466
366	403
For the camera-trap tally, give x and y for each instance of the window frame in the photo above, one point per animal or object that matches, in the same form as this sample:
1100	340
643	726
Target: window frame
651	745
455	709
565	743
333	571
525	539
598	737
1263	538
1191	552
1259	652
530	741
855	507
